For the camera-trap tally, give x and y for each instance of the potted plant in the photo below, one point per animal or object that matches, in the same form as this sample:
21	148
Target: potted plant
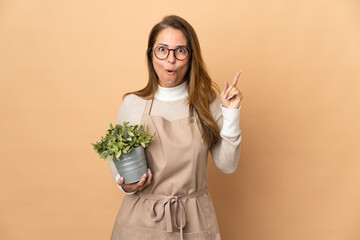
124	145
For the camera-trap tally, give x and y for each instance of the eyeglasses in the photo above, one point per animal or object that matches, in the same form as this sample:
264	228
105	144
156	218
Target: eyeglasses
181	53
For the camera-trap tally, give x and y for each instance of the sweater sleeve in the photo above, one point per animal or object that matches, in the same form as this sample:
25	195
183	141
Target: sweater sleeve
130	111
226	152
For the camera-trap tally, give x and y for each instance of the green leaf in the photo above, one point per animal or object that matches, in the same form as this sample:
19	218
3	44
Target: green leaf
118	155
104	154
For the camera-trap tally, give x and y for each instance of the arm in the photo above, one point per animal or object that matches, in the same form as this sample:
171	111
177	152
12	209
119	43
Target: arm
130	111
226	152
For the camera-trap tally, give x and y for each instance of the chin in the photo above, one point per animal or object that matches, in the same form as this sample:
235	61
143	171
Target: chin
170	83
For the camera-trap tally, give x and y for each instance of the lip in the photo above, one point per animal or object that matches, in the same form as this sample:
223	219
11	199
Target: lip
170	71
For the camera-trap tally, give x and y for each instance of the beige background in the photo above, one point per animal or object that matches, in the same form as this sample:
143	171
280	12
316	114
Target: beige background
64	66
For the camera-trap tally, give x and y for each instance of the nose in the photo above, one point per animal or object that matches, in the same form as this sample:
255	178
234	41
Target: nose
171	57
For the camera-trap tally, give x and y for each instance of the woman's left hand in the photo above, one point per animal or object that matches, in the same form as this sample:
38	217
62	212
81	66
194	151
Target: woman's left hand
231	96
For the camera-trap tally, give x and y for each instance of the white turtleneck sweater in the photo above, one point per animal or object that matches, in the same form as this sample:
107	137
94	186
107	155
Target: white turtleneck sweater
170	103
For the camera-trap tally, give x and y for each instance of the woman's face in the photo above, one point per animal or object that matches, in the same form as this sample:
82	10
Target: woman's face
170	71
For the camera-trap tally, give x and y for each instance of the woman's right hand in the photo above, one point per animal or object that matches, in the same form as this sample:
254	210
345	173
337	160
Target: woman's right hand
138	186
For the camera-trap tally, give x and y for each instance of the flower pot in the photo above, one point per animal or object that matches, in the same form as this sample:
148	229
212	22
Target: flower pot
132	165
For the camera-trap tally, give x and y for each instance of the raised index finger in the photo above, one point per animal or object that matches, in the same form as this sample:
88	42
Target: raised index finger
236	78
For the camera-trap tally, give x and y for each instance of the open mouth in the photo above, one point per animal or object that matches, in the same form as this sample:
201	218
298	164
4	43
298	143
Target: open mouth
170	72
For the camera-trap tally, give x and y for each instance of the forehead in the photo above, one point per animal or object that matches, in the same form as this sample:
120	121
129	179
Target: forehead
171	37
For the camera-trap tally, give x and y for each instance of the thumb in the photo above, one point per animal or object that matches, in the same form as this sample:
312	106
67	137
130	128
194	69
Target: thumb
121	181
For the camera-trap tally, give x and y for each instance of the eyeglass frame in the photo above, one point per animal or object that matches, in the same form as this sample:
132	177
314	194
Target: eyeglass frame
189	52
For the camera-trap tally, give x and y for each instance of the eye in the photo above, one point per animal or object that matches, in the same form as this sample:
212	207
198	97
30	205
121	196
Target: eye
181	50
161	49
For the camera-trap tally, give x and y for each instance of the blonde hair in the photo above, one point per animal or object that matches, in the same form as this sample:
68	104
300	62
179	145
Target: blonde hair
202	91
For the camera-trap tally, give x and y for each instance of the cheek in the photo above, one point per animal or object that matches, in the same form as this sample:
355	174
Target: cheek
157	67
185	67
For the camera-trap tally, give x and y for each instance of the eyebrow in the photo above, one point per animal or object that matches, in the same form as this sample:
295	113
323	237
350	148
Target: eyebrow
168	45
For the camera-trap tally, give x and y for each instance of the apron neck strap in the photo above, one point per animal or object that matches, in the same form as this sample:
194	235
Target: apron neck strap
148	106
191	112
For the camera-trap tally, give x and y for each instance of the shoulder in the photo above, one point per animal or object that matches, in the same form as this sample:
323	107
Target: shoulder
131	109
133	100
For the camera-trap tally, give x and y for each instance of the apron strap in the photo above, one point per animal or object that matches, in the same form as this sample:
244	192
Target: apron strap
191	113
148	106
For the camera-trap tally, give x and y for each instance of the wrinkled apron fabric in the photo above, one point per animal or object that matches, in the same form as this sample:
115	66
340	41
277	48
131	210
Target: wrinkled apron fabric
177	204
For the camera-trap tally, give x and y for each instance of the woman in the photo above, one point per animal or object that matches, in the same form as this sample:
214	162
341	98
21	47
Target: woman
180	104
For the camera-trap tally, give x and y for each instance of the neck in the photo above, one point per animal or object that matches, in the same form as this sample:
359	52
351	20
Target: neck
172	94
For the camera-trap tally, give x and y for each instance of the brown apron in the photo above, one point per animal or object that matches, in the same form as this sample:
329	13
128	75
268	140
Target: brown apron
176	205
